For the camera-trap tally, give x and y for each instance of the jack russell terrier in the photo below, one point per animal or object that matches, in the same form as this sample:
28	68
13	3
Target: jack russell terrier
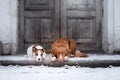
36	51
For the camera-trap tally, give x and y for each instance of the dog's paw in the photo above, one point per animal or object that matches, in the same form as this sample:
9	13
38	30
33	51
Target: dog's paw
53	59
66	58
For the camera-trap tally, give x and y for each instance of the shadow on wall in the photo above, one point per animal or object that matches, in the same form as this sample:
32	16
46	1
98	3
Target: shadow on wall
5	49
1	48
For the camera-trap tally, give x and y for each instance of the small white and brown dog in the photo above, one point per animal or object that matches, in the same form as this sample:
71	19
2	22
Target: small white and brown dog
36	51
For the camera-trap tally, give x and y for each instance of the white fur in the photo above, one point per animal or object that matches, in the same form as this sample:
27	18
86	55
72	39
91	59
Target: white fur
53	59
39	47
38	58
61	57
44	55
29	52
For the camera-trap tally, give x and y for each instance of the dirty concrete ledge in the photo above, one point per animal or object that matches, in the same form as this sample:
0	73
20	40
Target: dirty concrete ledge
93	64
92	61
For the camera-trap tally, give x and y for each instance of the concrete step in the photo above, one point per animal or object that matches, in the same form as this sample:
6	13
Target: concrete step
94	60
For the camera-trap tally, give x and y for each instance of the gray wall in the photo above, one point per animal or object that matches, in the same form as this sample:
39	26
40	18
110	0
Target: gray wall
9	25
116	25
111	26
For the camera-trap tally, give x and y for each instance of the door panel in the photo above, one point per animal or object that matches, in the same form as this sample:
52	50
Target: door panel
80	4
39	23
38	4
38	30
83	32
80	20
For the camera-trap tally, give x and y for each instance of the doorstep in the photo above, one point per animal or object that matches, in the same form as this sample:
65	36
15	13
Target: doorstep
94	60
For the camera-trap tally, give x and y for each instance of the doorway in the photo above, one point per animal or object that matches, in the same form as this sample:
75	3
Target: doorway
42	21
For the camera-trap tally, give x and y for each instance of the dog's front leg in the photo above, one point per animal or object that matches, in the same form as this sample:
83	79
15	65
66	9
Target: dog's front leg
53	58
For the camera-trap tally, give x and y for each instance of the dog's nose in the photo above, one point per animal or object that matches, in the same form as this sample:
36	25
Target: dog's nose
38	59
60	60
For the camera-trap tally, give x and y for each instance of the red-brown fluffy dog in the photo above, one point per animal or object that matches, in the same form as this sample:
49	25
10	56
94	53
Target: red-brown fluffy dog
63	48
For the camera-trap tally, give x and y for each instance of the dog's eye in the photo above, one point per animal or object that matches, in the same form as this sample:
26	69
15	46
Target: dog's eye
36	54
41	54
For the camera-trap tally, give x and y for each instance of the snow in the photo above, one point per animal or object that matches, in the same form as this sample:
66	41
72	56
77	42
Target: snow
58	73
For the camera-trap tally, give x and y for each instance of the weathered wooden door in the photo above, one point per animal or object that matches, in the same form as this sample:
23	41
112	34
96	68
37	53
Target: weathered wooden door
81	20
42	21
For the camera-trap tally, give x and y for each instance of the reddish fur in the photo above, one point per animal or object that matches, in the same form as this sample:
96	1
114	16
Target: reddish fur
65	48
79	54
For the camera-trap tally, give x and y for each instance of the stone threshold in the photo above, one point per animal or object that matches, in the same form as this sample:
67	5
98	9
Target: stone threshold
94	60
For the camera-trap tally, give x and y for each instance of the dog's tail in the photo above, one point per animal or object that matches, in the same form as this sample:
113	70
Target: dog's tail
72	46
74	50
79	54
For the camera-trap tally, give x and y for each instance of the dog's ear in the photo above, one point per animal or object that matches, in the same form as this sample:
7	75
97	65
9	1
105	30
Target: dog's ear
34	48
43	50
